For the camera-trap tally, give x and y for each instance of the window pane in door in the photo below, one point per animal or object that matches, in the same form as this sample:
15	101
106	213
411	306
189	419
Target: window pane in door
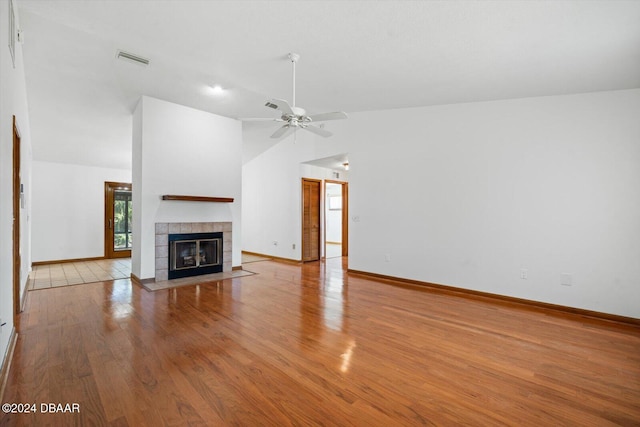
122	219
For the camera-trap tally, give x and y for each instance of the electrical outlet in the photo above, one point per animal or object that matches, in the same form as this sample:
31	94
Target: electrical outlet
524	273
566	279
387	257
293	246
275	243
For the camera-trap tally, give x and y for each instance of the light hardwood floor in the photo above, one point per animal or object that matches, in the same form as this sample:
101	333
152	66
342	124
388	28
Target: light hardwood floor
311	345
333	250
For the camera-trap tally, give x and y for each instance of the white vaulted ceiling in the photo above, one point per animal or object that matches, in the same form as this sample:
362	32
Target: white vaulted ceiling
355	56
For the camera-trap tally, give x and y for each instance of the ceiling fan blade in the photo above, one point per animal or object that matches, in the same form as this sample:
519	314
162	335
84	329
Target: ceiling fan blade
283	131
317	130
338	115
259	119
280	104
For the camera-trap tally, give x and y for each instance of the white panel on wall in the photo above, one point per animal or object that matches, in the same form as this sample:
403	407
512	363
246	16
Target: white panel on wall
333	214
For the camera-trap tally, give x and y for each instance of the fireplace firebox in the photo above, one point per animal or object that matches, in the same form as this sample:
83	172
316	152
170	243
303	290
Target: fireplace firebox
193	254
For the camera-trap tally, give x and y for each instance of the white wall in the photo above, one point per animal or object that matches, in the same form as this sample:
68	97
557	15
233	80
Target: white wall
68	210
272	188
136	196
271	192
470	194
183	151
13	101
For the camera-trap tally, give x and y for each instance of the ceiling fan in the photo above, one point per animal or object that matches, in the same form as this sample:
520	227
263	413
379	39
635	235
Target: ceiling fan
295	118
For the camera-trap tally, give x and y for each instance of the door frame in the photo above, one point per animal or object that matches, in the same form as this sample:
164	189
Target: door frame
17	195
304	242
345	215
109	191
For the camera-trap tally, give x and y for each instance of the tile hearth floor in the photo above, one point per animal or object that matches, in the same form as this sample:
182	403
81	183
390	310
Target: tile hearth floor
77	273
196	280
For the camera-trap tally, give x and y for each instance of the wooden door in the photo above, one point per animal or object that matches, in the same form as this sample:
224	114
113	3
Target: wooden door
17	195
117	220
311	191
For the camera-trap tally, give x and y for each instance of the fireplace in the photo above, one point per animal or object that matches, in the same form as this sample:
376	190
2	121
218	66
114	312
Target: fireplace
211	254
193	254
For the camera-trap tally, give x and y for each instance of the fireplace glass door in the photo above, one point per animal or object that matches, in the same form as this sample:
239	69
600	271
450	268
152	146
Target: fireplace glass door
208	253
185	254
194	253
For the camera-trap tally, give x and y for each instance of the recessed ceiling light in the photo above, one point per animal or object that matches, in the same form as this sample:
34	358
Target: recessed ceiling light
216	90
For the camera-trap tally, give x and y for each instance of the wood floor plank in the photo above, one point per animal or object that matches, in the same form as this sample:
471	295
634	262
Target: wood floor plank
312	345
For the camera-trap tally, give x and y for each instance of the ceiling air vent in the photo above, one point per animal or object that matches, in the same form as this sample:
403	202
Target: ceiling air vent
132	58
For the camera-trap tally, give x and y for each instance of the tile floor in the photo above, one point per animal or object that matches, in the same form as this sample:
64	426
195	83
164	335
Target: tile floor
76	273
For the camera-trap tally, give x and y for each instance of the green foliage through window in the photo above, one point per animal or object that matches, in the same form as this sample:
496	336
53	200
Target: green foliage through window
122	219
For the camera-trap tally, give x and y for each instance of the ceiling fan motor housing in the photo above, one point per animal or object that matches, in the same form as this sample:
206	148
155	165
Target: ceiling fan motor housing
294	57
298	111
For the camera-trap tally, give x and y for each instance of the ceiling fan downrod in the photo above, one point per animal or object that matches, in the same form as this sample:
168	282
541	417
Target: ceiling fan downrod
294	58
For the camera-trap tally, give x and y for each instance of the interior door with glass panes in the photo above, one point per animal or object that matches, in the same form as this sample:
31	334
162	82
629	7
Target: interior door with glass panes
118	219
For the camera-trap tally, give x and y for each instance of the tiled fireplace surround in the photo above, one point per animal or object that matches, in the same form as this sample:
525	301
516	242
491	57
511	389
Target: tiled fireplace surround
163	229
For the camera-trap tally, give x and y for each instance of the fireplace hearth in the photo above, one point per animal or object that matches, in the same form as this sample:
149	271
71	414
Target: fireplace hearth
193	254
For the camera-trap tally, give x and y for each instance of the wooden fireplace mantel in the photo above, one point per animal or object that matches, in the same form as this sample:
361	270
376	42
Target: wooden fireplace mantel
198	198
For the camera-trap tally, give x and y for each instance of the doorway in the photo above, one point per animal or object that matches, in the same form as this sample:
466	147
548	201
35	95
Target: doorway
336	232
117	220
17	200
311	219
